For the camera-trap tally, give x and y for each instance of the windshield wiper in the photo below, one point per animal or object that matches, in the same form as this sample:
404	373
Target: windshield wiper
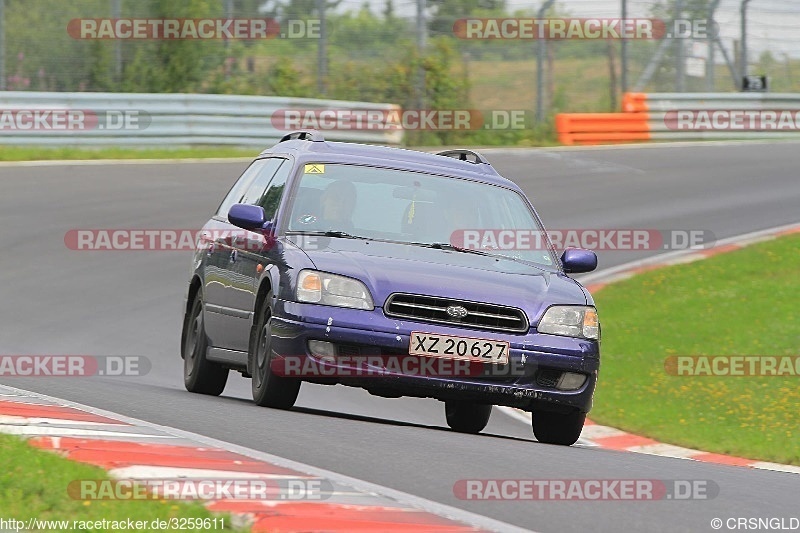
329	233
453	248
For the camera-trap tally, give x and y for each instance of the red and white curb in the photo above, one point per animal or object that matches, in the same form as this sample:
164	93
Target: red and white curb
605	437
615	439
138	450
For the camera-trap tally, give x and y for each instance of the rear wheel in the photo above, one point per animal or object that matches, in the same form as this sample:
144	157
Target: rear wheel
558	428
199	374
467	417
269	390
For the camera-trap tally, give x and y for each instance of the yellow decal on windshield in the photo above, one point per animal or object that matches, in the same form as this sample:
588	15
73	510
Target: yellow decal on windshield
314	168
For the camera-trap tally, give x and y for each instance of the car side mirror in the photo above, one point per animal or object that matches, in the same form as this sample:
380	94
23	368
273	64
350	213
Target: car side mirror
578	260
249	217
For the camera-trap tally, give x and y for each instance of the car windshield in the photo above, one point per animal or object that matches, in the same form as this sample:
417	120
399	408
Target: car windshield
412	207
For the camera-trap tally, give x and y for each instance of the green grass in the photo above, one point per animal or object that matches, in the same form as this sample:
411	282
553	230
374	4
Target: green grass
38	153
33	484
739	303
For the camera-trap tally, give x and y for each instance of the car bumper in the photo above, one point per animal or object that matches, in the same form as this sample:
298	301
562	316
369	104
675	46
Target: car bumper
528	382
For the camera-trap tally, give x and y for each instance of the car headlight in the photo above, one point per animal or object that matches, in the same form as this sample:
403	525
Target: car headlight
571	321
329	289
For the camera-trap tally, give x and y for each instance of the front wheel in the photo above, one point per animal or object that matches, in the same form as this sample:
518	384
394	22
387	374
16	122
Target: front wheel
199	374
269	390
467	417
558	428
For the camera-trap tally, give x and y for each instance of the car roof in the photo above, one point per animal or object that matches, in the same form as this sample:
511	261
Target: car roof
456	163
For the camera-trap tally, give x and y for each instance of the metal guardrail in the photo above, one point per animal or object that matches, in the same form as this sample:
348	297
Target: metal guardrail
664	102
686	117
172	119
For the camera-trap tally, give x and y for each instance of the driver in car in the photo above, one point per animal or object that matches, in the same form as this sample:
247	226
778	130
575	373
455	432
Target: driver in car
337	203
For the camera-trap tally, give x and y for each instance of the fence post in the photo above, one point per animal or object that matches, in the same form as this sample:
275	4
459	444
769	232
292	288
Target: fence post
712	8
743	44
541	49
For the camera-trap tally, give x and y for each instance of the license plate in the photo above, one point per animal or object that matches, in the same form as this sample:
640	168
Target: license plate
471	349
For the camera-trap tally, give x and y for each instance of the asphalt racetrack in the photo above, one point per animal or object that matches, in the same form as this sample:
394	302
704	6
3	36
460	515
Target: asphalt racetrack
61	301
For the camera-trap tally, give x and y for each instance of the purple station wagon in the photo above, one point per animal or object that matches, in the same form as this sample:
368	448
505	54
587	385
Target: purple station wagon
336	263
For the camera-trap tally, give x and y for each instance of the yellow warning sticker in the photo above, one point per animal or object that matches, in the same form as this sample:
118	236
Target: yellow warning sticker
314	168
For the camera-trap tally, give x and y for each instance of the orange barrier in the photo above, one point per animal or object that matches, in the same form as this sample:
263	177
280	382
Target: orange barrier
652	117
635	103
598	128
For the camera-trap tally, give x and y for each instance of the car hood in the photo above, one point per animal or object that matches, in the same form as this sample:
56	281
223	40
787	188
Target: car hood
387	268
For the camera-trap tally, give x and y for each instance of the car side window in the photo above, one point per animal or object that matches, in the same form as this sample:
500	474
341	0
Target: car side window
270	198
254	179
262	181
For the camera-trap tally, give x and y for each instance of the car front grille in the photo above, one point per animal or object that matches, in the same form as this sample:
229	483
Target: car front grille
475	314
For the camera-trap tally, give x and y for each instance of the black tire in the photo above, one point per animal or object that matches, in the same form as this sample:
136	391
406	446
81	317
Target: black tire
199	374
467	417
558	428
269	390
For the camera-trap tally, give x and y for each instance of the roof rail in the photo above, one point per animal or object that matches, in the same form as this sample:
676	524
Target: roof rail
462	155
304	135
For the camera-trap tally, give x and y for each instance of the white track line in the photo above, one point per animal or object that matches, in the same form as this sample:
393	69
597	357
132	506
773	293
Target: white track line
605	275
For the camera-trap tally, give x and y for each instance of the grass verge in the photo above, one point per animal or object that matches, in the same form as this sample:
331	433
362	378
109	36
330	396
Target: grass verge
38	153
34	486
739	303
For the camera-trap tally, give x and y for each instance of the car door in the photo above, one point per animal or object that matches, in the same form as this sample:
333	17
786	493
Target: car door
227	289
253	251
